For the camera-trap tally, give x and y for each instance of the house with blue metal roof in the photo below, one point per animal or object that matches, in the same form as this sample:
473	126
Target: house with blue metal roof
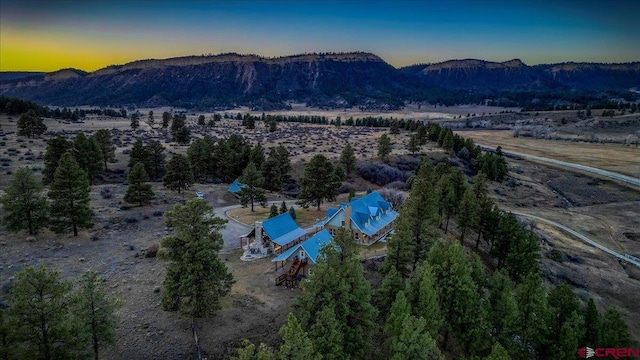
297	262
235	187
276	234
370	218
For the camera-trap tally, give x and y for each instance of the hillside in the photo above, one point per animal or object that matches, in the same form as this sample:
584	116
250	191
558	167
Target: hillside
333	80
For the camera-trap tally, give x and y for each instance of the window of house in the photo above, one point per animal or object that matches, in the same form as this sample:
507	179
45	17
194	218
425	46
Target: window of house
302	254
310	271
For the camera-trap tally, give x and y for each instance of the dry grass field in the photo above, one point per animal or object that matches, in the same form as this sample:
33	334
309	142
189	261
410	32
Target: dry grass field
613	157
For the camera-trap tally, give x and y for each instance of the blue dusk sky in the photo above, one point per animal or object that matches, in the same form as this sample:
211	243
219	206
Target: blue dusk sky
88	35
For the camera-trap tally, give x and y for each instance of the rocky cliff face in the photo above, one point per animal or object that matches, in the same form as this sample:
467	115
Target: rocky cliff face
330	80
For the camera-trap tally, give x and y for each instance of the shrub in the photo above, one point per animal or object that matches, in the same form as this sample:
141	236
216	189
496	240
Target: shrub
395	197
152	251
381	174
345	187
398	185
106	193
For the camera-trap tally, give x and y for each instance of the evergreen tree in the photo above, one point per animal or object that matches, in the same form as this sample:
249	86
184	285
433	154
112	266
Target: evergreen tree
339	173
178	176
425	301
138	191
96	311
179	129
248	351
42	321
296	343
592	325
384	147
386	294
348	159
498	353
30	124
105	142
502	310
155	151
150	119
88	155
414	144
292	212
284	163
469	213
283	207
400	311
56	147
400	246
201	157
196	277
252	190
7	336
257	156
394	129
166	118
69	195
139	155
318	183
25	207
614	331
201	120
273	211
420	212
414	342
338	283
532	309
135	121
271	172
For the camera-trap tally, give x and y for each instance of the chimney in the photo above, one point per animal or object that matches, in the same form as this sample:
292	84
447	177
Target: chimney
347	217
259	231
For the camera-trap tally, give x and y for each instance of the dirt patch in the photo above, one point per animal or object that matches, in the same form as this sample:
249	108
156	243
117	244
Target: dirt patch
581	190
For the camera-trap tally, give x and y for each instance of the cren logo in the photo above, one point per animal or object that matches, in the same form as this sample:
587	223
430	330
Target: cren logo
586	352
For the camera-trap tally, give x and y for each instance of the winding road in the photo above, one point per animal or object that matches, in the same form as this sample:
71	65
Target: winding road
628	179
579	236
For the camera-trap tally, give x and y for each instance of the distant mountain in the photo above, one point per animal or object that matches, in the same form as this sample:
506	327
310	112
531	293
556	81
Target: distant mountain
325	80
15	75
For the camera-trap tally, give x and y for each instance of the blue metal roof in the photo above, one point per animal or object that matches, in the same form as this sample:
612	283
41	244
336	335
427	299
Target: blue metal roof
235	187
282	229
365	212
311	246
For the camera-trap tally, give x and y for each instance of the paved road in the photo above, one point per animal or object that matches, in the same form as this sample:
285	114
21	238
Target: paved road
609	174
579	236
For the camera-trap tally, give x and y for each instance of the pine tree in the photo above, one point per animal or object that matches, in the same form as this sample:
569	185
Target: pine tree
394	130
400	311
468	214
139	154
296	343
384	147
414	342
252	190
96	310
7	336
200	154
273	211
318	183
327	336
592	325
25	207
166	118
498	353
56	147
338	282
42	321
30	124
284	163
150	119
271	172
156	158
201	120
292	212
69	194
248	351
348	159
135	121
414	144
386	294
196	277
420	216
532	308
88	155
283	207
257	156
401	247
178	176
105	142
425	301
614	331
138	191
502	310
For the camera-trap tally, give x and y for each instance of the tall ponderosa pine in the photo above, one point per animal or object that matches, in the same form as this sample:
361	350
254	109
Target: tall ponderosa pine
296	344
42	321
201	157
338	283
56	147
196	277
252	190
138	191
414	341
166	119
25	206
69	194
384	147
150	119
30	124
318	183
284	163
178	176
531	297
271	172
96	311
88	155
425	303
348	159
105	142
156	154
139	154
273	211
135	121
283	207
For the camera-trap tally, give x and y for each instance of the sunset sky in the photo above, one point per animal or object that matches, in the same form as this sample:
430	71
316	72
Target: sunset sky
88	35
